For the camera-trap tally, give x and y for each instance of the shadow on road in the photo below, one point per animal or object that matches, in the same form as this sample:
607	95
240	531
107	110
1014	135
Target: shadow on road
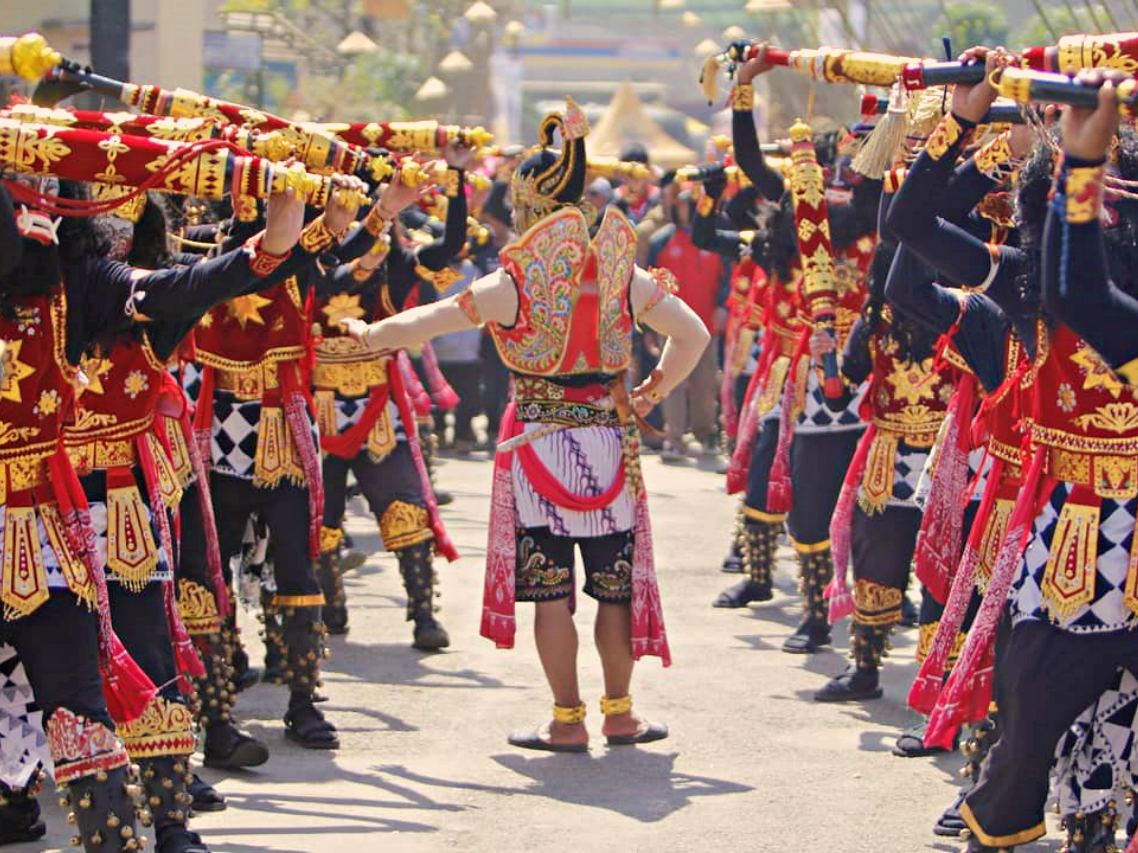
635	783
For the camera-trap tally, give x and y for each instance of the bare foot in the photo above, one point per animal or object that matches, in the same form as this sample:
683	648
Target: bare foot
553	736
618	725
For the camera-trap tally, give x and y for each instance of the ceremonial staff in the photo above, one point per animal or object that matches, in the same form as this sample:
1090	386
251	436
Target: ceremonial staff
208	168
841	65
816	254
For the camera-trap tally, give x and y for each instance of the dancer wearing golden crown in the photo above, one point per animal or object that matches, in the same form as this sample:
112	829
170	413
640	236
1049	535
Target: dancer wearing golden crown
567	476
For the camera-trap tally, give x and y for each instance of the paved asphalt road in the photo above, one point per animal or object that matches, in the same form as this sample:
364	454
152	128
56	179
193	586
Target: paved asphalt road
752	765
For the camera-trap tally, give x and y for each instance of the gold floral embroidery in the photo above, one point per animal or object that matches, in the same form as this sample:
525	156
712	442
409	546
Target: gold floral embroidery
48	403
1065	398
342	306
135	383
876	604
403	524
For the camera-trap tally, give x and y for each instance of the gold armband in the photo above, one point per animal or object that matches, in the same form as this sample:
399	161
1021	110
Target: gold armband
261	263
465	302
1082	187
946	135
743	97
706	205
317	237
452	182
375	222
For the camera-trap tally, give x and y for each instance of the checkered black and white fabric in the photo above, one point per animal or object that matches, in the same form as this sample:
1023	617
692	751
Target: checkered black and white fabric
23	745
233	435
349	410
818	417
906	472
191	380
1095	761
1108	611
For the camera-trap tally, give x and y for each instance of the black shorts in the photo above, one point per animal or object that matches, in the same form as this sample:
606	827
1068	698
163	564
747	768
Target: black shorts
544	570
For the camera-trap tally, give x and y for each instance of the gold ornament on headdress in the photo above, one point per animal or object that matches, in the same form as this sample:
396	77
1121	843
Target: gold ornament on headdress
536	196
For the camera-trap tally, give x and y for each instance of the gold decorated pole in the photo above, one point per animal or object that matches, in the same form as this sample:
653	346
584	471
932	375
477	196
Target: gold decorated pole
611	167
28	56
407	136
208	168
816	254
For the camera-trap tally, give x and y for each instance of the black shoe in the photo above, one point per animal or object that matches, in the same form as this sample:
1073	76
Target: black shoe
20	819
228	748
732	563
335	619
206	797
178	839
911	743
853	685
808	638
305	725
910	616
246	678
742	594
429	635
950	824
352	560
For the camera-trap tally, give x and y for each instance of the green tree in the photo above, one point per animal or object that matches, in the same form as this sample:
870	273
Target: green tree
973	23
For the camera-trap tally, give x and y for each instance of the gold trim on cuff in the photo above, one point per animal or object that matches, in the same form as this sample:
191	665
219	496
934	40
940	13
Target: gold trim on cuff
1024	837
768	517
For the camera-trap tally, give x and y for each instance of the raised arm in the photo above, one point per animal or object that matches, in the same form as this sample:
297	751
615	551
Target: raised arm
1076	279
748	154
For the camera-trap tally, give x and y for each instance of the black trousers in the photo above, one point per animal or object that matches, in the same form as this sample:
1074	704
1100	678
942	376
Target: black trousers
191	563
818	463
1047	677
58	645
759	471
140	621
395	478
882	544
465	378
284	510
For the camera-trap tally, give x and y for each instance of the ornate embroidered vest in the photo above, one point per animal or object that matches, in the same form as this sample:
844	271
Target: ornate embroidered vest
574	315
36	394
907	401
255	345
116	430
1085	416
345	369
245	339
1085	419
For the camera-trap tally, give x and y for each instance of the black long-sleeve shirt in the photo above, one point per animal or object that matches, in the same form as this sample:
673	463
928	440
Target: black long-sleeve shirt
1077	288
397	271
924	217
